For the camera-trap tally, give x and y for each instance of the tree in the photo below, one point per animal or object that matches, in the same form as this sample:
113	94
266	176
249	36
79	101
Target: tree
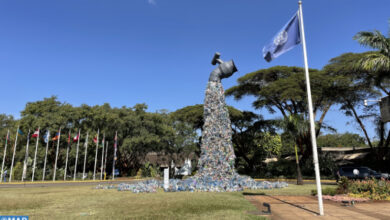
341	140
283	89
377	62
353	86
296	126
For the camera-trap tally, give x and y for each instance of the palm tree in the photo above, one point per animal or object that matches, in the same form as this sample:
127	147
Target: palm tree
378	61
296	127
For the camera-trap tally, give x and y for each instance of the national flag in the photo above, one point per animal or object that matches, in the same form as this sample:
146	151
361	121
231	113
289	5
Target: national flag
115	141
286	39
7	137
76	138
95	139
69	137
56	137
46	137
20	132
36	133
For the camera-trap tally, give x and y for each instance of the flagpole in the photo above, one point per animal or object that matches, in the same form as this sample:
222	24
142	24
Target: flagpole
85	155
5	152
26	157
67	156
311	116
105	161
58	146
13	155
47	146
77	155
97	144
101	166
113	163
35	156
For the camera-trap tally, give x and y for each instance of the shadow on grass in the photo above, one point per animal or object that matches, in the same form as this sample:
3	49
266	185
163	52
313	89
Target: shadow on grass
253	194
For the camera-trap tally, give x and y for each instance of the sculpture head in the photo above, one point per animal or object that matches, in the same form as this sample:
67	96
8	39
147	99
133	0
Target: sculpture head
224	70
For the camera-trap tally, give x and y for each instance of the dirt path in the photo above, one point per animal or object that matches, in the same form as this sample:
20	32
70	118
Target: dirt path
306	207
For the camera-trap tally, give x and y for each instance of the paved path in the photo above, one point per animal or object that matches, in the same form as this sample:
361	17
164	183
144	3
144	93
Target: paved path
306	207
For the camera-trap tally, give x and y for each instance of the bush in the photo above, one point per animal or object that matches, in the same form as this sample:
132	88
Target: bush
282	167
327	166
326	191
149	171
369	188
343	185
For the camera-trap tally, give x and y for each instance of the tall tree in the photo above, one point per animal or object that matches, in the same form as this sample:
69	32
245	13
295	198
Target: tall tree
354	86
282	89
296	126
377	62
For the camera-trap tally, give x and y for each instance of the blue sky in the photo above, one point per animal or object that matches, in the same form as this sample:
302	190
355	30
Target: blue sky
158	52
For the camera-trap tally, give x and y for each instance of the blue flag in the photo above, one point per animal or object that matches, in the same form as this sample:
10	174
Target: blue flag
286	39
20	132
46	137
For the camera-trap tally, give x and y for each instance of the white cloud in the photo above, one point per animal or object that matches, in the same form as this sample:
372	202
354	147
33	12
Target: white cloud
152	2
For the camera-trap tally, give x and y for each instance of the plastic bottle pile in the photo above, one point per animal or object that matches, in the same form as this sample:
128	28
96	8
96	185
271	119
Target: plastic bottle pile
216	172
191	185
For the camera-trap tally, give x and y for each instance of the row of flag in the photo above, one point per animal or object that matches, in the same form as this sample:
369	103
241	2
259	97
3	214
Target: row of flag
47	134
46	138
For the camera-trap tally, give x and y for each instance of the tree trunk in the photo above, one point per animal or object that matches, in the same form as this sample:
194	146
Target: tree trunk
299	174
361	125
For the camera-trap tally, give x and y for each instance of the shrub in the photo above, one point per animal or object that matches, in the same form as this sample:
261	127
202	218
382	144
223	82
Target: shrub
326	191
327	168
281	167
369	188
148	170
343	185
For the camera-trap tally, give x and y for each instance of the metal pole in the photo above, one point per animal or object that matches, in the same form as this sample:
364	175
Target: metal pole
26	157
311	116
96	153
5	152
13	155
85	155
58	146
77	155
105	161
101	166
47	146
35	156
113	163
67	156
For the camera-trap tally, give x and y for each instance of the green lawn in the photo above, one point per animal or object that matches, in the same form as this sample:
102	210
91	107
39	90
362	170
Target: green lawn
291	190
84	202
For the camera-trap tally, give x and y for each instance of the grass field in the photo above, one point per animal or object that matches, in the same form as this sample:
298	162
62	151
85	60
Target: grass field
84	202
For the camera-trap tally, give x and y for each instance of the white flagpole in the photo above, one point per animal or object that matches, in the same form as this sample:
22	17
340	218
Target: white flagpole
97	144
311	116
44	164
105	161
113	163
58	146
101	166
26	157
13	155
85	155
5	152
35	156
77	155
67	156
